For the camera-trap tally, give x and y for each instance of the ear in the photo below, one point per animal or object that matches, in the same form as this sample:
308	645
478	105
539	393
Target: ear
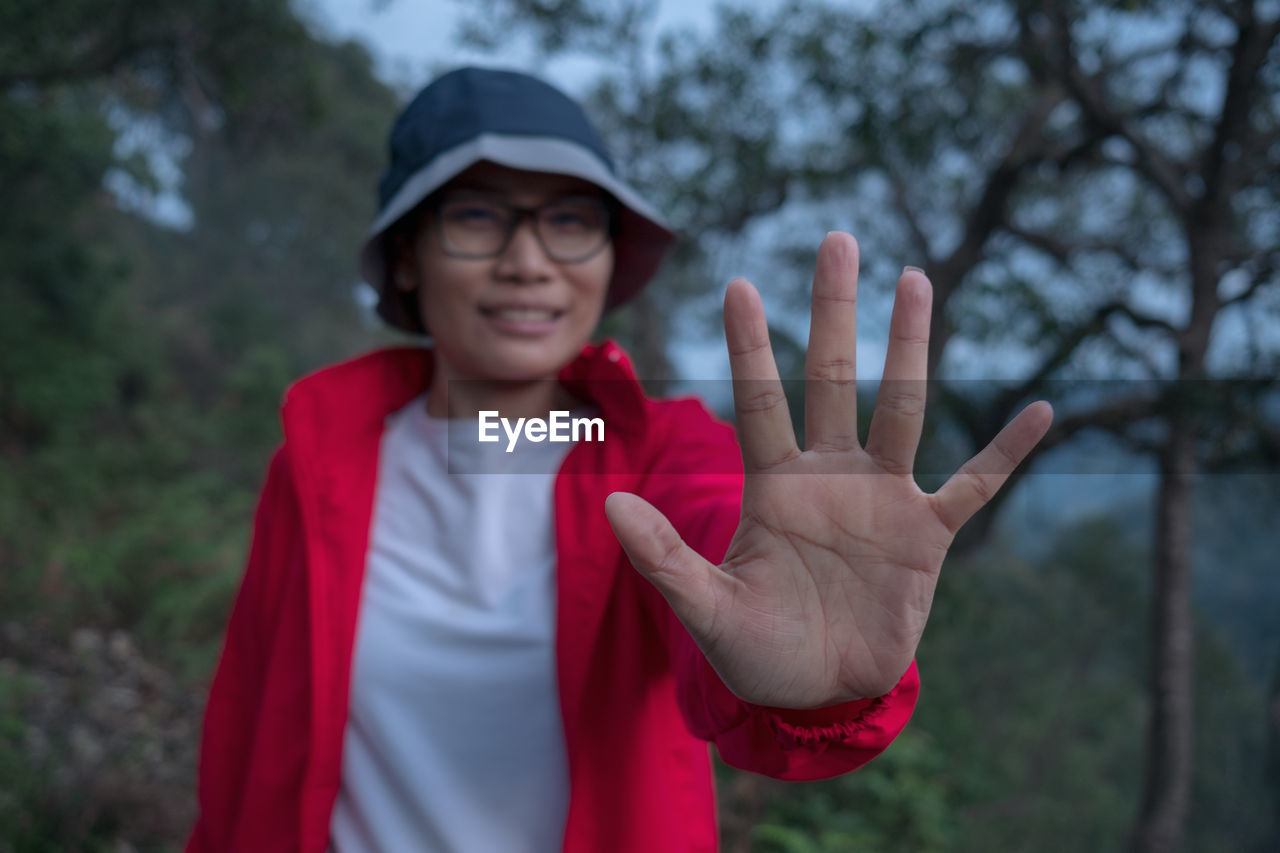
403	275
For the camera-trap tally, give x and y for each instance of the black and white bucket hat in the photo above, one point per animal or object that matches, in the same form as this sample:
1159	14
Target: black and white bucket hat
514	120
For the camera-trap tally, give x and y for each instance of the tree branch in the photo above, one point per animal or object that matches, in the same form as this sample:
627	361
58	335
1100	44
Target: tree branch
1062	250
1088	92
1068	344
107	60
1114	418
989	212
1248	55
1139	319
913	224
1262	278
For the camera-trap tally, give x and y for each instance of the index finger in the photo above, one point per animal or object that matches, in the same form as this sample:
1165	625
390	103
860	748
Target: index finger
764	419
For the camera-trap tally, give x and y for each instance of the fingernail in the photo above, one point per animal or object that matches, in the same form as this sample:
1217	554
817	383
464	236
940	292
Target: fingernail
913	269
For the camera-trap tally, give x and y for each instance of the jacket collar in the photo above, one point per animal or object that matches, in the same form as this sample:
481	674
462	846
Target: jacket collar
345	405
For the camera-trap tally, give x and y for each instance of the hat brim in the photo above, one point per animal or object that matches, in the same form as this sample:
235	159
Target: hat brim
642	239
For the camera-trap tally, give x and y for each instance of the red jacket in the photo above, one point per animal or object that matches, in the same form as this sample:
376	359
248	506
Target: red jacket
638	699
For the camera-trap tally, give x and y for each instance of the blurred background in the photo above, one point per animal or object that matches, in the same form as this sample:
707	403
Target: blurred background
1094	189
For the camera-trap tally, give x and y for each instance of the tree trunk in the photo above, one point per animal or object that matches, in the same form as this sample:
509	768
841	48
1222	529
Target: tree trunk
1273	746
1169	734
649	350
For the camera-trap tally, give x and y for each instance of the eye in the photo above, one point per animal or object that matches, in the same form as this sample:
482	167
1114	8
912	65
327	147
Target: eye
473	214
574	216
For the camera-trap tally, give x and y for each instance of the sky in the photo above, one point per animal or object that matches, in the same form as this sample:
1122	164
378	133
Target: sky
411	38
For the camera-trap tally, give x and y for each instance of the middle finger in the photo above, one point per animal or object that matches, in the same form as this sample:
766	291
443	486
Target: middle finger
830	366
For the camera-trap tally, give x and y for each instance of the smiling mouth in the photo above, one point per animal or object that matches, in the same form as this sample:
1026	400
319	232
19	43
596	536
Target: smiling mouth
523	314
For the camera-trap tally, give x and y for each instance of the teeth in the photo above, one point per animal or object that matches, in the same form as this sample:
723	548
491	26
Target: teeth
523	315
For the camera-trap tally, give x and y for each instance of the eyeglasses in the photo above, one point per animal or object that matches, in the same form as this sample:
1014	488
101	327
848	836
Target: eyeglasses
570	230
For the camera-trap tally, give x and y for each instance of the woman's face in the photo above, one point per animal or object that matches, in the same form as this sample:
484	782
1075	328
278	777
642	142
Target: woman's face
520	315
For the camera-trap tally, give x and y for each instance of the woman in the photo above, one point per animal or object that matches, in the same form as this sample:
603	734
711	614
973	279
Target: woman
424	656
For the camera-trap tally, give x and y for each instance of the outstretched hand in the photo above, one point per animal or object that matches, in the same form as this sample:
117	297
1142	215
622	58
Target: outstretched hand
826	587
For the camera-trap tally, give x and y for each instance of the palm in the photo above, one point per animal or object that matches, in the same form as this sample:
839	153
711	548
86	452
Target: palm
826	587
840	568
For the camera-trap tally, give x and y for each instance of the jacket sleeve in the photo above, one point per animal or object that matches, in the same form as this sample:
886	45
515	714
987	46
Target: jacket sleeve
697	484
235	708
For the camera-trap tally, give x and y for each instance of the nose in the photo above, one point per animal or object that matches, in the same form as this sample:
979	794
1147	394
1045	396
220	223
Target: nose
524	259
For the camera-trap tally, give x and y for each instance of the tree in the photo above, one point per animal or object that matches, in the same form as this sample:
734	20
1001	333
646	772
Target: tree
143	364
136	351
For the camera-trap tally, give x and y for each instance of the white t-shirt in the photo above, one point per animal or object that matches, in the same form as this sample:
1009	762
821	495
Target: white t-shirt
454	739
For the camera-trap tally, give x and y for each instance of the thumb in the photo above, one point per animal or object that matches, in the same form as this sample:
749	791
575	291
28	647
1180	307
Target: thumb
684	578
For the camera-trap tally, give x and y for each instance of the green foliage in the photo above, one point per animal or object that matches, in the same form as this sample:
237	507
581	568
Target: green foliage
143	366
902	802
25	828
